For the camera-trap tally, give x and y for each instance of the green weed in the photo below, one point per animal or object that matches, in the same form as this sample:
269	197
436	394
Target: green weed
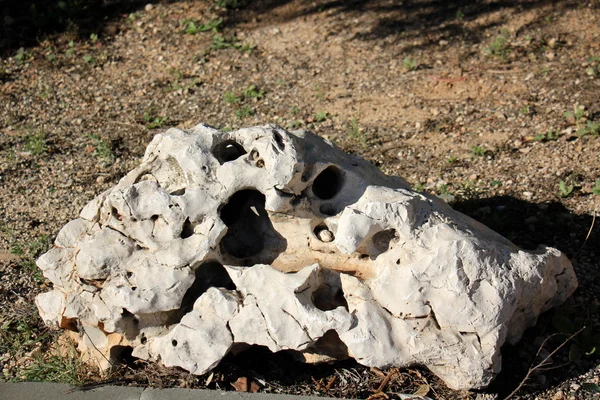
220	42
460	15
444	193
35	143
102	149
229	4
231	98
451	160
548	136
525	110
564	190
252	92
295	110
410	64
499	47
355	132
478	151
64	368
192	27
93	38
591	128
244	112
29	252
321	116
154	121
596	188
295	124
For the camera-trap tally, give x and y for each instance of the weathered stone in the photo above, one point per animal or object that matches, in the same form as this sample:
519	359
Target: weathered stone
265	237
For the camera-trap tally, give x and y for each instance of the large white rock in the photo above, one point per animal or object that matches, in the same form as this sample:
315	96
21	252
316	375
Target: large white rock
220	240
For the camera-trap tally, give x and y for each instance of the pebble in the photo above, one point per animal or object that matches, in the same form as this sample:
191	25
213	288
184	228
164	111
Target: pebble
325	235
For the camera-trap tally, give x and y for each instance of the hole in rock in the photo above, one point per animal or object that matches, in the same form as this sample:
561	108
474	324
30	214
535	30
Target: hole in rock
187	230
178	192
129	274
381	240
227	151
328	183
279	140
250	233
154	217
363	256
174	343
209	274
323	233
122	355
327	298
330	345
128	325
143	339
327	209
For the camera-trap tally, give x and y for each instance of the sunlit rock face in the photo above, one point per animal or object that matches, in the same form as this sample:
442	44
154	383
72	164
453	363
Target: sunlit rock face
260	236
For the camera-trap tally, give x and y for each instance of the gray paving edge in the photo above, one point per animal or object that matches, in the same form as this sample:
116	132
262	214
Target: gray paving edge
59	391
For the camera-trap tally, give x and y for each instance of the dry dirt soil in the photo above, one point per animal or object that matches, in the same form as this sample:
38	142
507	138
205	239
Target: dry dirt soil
492	105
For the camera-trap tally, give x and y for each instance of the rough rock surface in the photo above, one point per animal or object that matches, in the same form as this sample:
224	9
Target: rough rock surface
220	240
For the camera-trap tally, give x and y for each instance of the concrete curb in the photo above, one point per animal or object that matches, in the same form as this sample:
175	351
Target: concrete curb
59	391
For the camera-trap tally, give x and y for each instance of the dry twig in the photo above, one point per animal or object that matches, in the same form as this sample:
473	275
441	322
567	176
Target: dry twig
544	361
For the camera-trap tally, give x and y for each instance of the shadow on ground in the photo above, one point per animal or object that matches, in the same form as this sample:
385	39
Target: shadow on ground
23	23
406	21
529	225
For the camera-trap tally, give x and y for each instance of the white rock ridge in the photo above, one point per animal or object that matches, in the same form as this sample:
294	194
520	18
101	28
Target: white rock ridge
220	240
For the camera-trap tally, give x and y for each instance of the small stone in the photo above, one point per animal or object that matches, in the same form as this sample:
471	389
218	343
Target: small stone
558	395
575	387
148	7
325	235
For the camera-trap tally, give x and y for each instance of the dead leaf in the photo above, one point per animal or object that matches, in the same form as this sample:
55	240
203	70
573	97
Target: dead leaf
209	379
242	384
423	390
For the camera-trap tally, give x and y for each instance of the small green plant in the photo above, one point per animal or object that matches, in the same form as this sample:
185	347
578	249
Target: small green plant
192	27
451	160
70	50
591	128
499	47
419	187
548	136
252	92
576	115
478	151
295	110
564	190
28	252
596	188
23	56
410	64
64	366
444	193
546	70
93	38
229	4
154	121
460	15
88	58
594	66
321	116
295	124
244	111
570	319
495	183
231	98
525	110
35	143
355	132
102	149
220	42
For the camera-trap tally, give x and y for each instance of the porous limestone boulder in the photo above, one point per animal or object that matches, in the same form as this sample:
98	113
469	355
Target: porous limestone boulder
220	240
